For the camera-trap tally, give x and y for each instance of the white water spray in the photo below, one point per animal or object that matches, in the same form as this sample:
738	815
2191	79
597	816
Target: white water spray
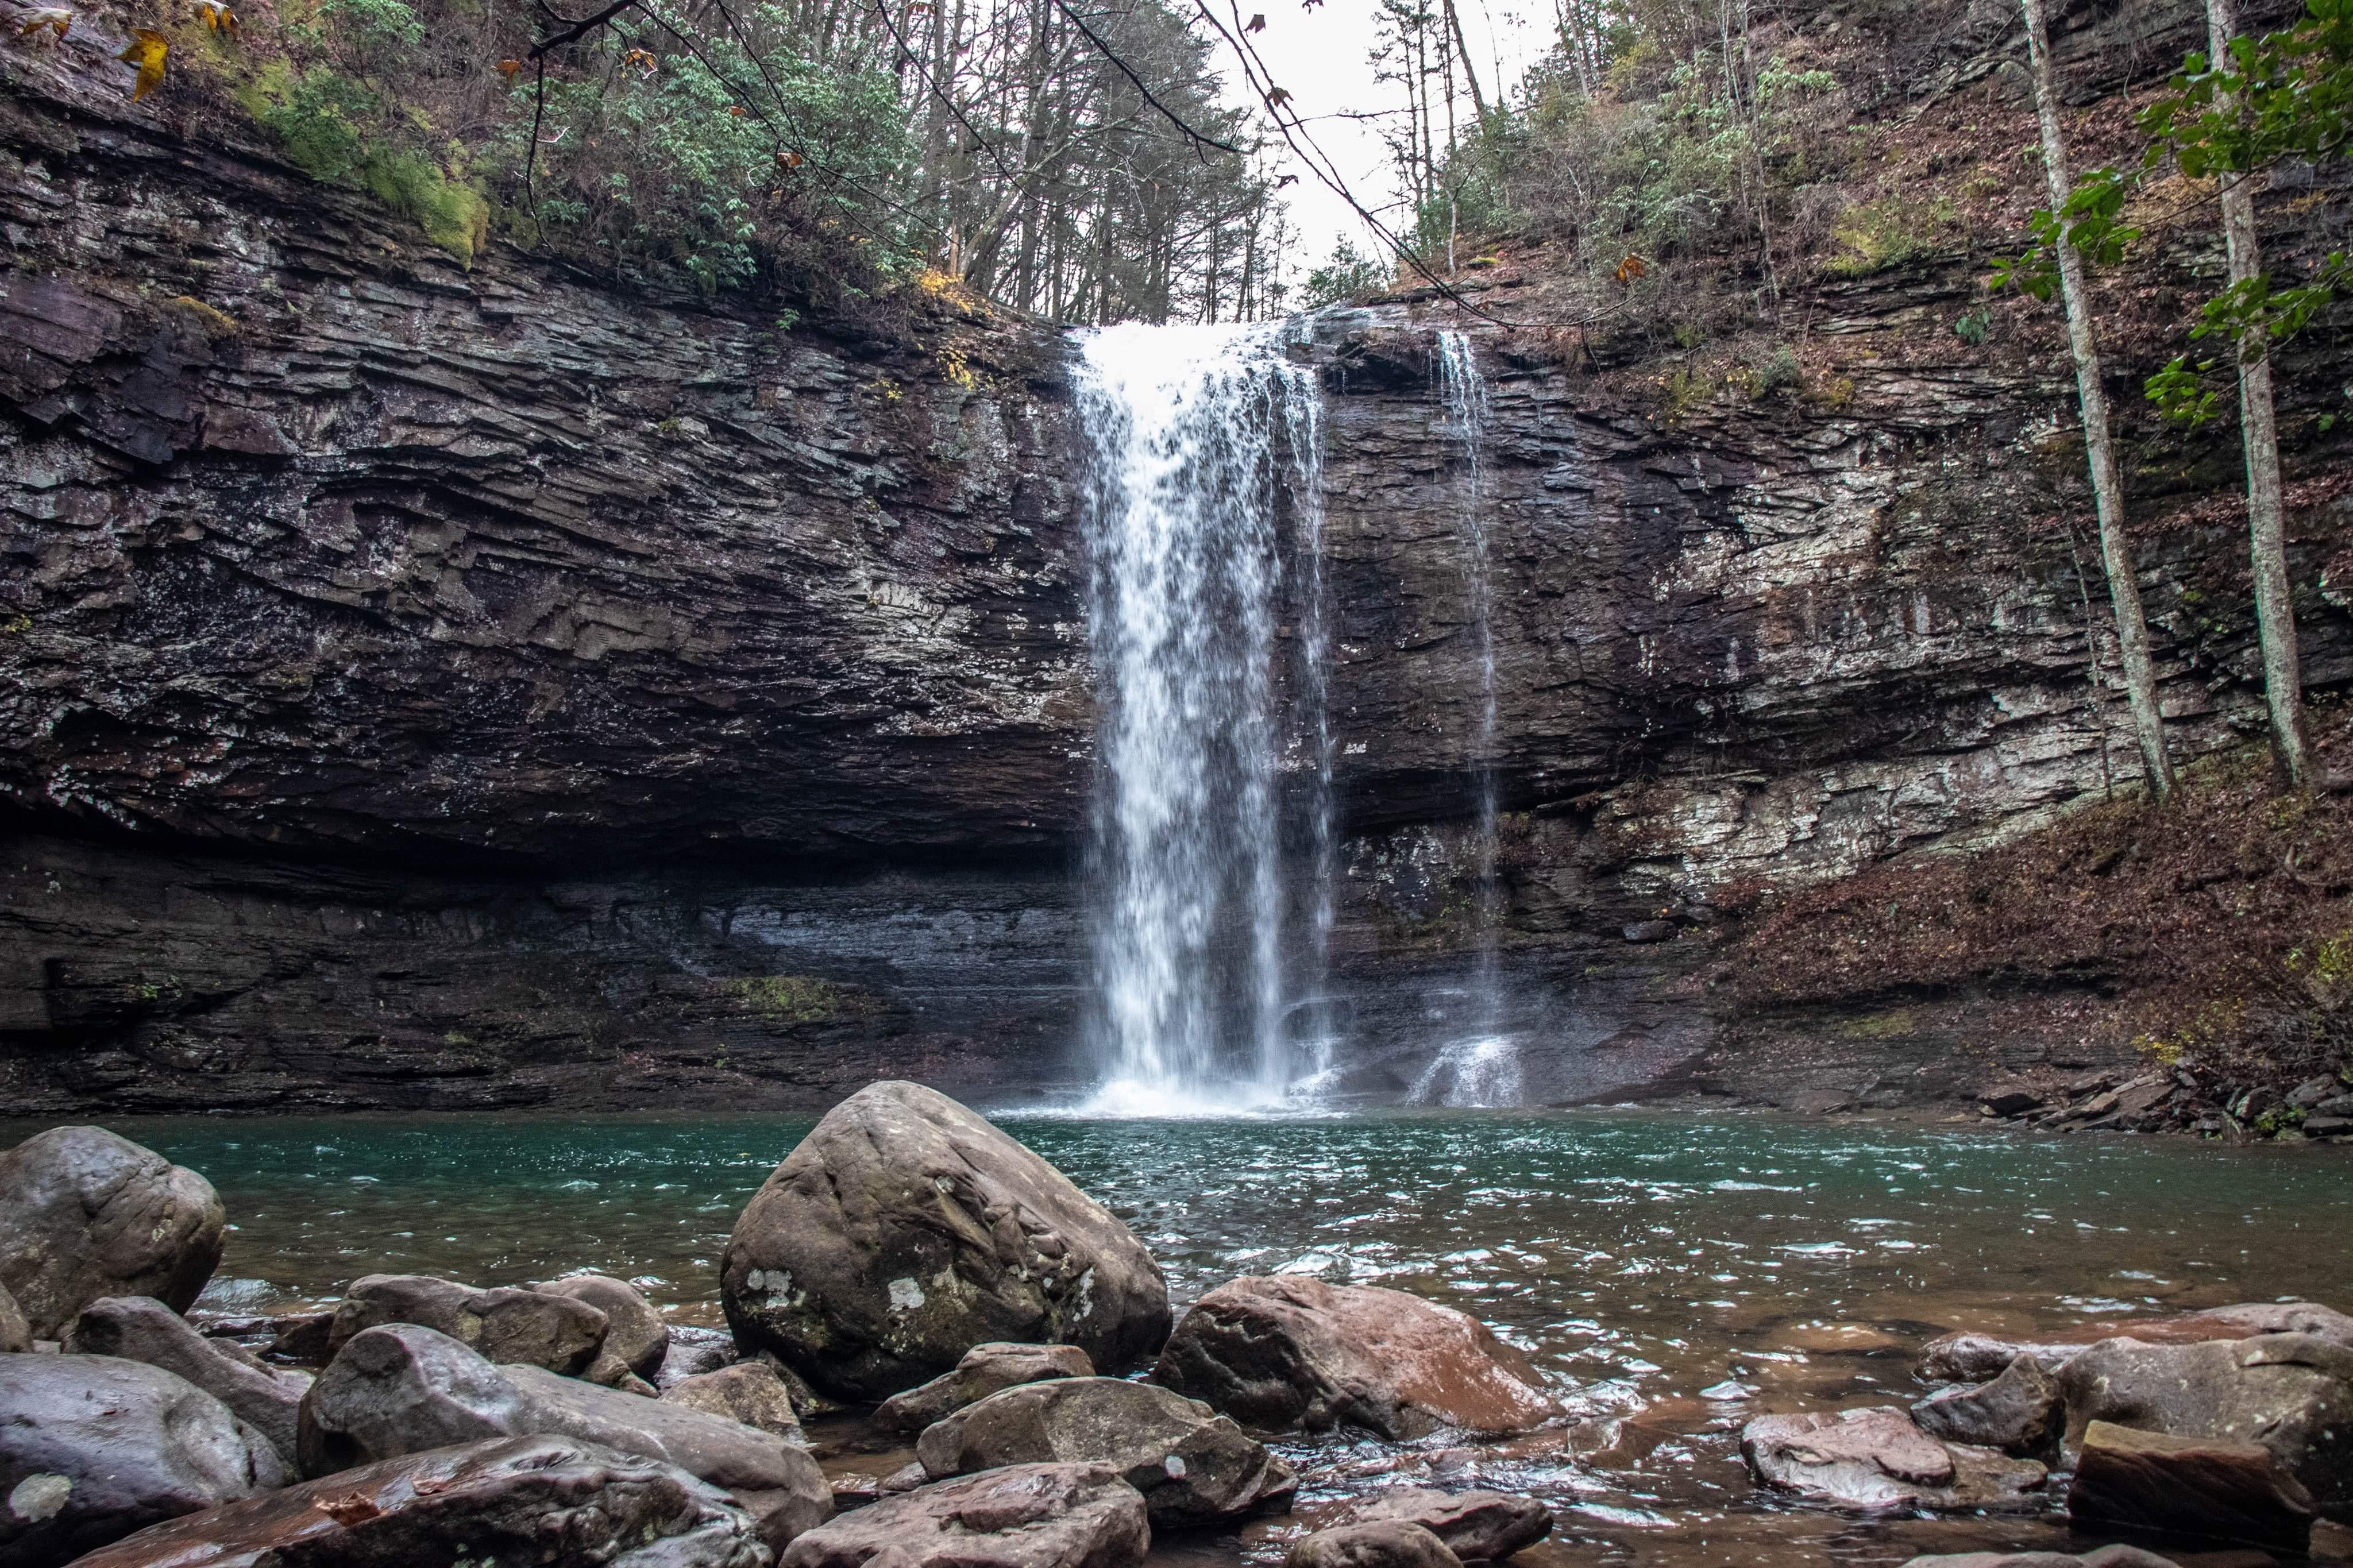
1197	433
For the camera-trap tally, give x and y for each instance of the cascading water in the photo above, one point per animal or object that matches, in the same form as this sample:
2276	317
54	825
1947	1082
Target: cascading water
1481	1065
1197	435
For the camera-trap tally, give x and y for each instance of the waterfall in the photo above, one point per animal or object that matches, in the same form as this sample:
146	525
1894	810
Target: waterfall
1197	435
1481	1065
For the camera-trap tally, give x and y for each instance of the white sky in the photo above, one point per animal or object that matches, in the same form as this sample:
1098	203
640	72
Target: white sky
1323	56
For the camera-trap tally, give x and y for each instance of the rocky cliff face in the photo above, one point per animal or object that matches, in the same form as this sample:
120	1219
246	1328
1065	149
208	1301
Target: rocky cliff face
433	688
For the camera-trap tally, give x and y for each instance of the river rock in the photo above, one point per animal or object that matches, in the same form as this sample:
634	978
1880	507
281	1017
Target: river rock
905	1229
1477	1527
1974	1358
1193	1466
985	1370
1980	1358
536	1499
142	1328
635	1338
2117	1556
1286	1353
694	1351
505	1326
1877	1458
86	1214
2021	1412
1019	1516
2291	1393
92	1448
749	1393
2203	1487
1384	1543
16	1334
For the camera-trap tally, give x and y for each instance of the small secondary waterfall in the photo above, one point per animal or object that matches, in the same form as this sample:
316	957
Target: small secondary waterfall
1198	435
1482	1065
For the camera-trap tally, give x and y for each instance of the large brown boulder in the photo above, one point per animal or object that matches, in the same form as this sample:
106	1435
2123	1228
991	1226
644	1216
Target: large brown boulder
2204	1488
1476	1526
749	1391
1021	1516
92	1448
985	1370
2291	1393
1377	1544
905	1229
2021	1412
505	1326
635	1338
1877	1458
86	1214
1193	1466
142	1328
539	1499
1283	1352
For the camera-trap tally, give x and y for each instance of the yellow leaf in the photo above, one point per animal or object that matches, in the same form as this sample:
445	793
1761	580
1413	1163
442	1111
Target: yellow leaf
1633	267
217	18
639	57
56	18
146	51
507	68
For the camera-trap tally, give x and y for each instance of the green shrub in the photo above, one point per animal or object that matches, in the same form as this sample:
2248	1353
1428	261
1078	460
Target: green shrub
1888	232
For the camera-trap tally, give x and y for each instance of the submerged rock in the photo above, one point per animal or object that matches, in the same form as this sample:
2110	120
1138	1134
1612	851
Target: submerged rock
1192	1466
528	1327
2106	1557
1477	1527
636	1342
1021	1516
1877	1458
2021	1412
514	1500
85	1213
2203	1487
1286	1353
92	1448
142	1328
749	1391
985	1370
905	1229
1974	1358
2291	1393
1385	1543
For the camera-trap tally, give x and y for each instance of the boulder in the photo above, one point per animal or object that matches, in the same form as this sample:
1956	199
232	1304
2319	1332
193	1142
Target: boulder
905	1229
16	1334
749	1391
1876	1458
92	1448
85	1213
1384	1543
1193	1466
985	1370
1022	1516
1980	1358
2291	1393
2204	1488
2106	1557
693	1352
1288	1352
2021	1412
1974	1358
1477	1527
635	1338
401	1389
142	1328
505	1326
545	1500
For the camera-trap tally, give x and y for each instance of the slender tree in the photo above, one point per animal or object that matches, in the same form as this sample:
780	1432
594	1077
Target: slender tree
2266	520
2099	445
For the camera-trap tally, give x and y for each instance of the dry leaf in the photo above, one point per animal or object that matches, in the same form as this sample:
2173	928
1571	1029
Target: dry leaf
219	18
56	18
146	51
1257	24
639	57
352	1507
737	109
1633	267
507	68
1277	95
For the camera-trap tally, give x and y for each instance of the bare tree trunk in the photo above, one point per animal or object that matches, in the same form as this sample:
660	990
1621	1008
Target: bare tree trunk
1463	48
2266	520
2099	447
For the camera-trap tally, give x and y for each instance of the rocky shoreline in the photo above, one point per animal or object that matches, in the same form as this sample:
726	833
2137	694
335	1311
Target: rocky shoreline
940	1350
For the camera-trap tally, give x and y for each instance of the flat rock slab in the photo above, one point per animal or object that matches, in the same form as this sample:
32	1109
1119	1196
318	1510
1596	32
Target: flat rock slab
1384	1543
514	1500
85	1213
1974	1358
2118	1556
93	1448
1019	1516
1477	1526
504	1325
905	1229
1192	1466
1283	1353
1877	1458
985	1370
2202	1488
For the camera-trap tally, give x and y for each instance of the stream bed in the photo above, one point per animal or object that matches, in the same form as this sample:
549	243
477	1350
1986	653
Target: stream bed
1671	1275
